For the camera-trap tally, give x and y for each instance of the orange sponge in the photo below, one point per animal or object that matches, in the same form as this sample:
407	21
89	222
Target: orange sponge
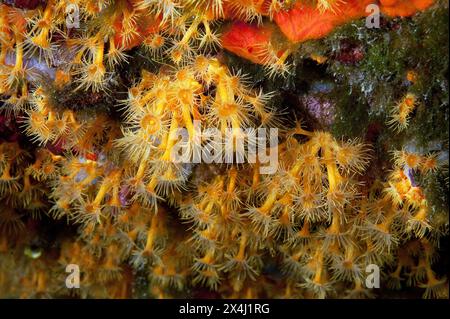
404	8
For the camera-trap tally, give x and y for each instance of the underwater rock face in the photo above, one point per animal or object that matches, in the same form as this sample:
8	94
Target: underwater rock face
322	111
223	149
350	53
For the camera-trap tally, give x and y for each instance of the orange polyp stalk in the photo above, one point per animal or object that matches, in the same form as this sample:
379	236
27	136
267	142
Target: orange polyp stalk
269	202
170	140
210	232
48	11
85	144
208	208
159	293
296	168
152	183
133	234
41	103
209	257
286	200
296	256
149	80
358	284
431	278
318	275
224	95
125	218
41	39
191	30
115	199
206	25
215	68
171	269
335	224
3	244
304	232
369	245
64	204
136	99
69	117
186	113
422	213
133	211
101	193
256	177
235	294
415	198
96	239
3	18
224	211
170	174
250	293
44	111
242	244
299	130
384	226
284	56
288	290
6	172
41	282
260	3
160	106
61	78
151	233
110	229
333	174
236	125
196	113
109	261
141	170
253	100
26	182
123	290
223	127
3	53
19	56
98	58
24	90
112	45
284	218
77	58
232	181
350	252
203	203
51	117
396	273
3	85
89	229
